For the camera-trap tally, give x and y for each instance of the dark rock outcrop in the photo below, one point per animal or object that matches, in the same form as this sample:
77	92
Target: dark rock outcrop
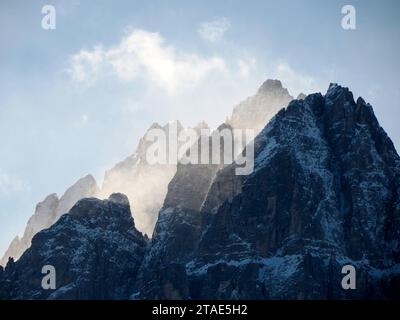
301	96
324	194
48	212
180	222
145	184
95	250
178	228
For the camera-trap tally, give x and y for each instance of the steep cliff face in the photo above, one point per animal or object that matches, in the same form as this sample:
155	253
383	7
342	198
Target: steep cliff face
48	212
324	194
84	188
95	250
177	231
145	184
180	222
14	250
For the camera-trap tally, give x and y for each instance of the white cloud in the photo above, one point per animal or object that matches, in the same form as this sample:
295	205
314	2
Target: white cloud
214	30
146	55
84	66
10	184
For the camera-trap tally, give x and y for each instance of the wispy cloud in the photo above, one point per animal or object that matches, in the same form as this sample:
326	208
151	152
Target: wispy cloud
146	55
214	30
85	65
10	184
151	60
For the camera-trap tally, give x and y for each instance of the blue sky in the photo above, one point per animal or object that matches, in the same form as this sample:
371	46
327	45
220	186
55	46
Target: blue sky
75	100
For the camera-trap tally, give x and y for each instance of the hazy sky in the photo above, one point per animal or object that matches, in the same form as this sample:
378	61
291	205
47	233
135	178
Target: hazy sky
75	100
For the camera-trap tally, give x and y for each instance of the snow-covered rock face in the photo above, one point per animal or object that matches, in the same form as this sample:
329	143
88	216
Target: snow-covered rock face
324	193
95	250
48	212
180	223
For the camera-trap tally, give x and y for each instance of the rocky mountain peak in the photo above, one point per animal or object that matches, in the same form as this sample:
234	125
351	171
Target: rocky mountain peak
95	250
45	209
336	91
270	86
324	193
145	185
84	187
51	198
301	96
48	211
119	198
111	213
155	125
256	111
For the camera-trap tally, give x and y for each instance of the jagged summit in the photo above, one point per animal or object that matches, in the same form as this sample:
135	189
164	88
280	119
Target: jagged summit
334	90
48	211
119	198
256	111
324	193
115	210
274	87
145	185
155	125
86	186
301	96
95	250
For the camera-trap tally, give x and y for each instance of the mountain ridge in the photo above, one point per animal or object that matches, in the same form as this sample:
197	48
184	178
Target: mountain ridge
324	194
245	250
136	178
